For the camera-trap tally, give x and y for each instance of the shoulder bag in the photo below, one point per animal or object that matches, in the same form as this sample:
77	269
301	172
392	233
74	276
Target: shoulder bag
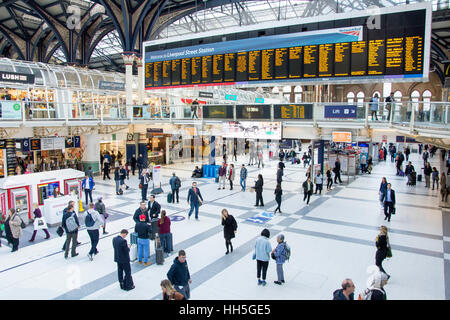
198	198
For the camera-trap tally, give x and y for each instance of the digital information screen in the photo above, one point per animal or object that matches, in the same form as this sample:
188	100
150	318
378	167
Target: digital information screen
396	52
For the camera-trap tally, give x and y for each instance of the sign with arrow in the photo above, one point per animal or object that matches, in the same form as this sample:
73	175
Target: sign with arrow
340	112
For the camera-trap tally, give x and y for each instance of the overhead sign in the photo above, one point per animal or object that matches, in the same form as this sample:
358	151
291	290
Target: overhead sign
35	144
47	144
16	77
293	111
252	130
218	112
25	145
342	137
340	112
59	143
77	141
107	85
231	97
203	94
259	100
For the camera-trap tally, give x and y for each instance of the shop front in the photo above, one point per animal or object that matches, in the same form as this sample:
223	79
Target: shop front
157	144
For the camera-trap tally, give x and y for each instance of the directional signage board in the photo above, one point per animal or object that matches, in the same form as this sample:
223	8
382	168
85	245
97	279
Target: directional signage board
340	112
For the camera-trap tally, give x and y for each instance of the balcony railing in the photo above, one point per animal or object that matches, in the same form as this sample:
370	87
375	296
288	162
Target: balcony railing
413	114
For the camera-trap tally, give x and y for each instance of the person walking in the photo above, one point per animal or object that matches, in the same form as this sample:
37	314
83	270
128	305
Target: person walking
122	177
222	176
13	229
363	163
337	171
382	190
347	291
145	178
435	177
329	180
179	275
383	246
175	184
100	208
142	210
260	158
39	223
194	107
133	163
278	192
279	175
243	176
307	190
259	189
389	103
230	175
164	232
229	229
71	225
425	157
427	173
281	155
318	180
93	223
409	169
444	187
140	164
143	242
119	191
280	258
168	292
407	152
87	185
193	198
154	208
389	203
375	285
262	256
374	106
122	258
106	169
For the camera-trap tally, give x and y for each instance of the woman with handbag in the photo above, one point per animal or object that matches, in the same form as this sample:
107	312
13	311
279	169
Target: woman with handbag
383	248
39	223
229	229
168	291
13	229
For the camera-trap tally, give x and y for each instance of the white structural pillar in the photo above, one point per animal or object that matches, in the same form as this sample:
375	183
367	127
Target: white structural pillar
128	59
90	144
140	66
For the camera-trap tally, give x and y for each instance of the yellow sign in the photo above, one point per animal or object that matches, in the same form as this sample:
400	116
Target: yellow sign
342	137
293	112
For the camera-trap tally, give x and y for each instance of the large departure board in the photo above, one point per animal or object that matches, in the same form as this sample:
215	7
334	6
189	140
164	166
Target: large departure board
342	59
326	59
339	51
217	69
229	67
267	64
310	61
281	63
242	66
254	65
359	58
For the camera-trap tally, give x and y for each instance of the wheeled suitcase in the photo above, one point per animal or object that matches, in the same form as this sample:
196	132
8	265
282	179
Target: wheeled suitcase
159	252
133	252
133	238
169	197
155	228
419	177
169	243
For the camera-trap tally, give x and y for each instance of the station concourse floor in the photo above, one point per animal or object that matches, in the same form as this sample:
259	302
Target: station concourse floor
332	239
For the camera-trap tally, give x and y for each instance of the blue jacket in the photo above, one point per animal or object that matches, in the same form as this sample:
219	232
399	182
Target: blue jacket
193	197
91	183
243	173
279	257
173	182
179	273
383	187
339	295
262	249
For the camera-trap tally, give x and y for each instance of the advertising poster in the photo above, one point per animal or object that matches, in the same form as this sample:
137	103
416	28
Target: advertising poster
252	130
156	175
10	110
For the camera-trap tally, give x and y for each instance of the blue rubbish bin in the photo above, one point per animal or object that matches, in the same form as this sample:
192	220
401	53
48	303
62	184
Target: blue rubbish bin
216	171
205	171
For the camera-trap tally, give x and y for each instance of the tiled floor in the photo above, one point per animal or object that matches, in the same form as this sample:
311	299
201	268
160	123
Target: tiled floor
332	239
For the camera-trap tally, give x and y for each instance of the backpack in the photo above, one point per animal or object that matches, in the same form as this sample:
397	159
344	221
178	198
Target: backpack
71	223
89	221
177	183
286	252
367	294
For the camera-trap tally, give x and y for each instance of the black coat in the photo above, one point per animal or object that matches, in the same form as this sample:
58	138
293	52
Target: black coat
138	212
305	187
133	162
278	193
143	230
229	227
279	175
381	244
392	196
259	185
121	250
155	210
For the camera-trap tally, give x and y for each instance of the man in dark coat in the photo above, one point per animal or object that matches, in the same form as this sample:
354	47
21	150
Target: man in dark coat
308	188
347	291
279	175
337	171
153	207
140	163
122	258
145	178
133	163
141	210
179	275
389	202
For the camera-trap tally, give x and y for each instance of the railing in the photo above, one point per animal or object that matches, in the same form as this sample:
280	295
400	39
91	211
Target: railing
411	113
